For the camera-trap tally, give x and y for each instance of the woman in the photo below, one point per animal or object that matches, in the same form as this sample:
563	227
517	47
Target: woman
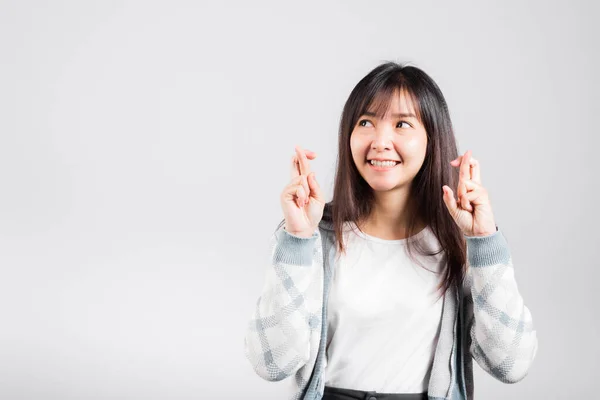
348	310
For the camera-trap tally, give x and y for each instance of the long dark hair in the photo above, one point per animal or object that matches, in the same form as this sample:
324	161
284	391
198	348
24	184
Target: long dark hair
353	198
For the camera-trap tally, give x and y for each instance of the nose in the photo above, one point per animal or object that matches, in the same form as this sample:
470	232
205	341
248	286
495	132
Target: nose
382	140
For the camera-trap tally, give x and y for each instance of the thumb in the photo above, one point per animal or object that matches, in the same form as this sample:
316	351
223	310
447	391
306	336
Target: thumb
315	189
449	200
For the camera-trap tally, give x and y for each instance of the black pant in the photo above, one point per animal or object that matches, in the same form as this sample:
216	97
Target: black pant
332	393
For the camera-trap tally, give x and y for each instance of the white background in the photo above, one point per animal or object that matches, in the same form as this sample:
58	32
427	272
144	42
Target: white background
144	145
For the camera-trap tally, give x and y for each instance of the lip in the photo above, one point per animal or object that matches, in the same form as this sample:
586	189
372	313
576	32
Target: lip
382	159
376	168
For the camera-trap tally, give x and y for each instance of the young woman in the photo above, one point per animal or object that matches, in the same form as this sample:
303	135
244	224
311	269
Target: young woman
348	310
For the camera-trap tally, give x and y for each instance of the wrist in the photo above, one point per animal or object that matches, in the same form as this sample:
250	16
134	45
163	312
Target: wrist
484	233
301	234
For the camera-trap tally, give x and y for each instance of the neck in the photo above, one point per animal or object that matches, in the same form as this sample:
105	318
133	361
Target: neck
390	215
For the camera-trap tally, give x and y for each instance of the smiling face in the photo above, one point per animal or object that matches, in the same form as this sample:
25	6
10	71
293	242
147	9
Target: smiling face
398	136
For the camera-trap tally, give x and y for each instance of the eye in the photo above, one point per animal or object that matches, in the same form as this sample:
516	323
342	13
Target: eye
360	123
404	122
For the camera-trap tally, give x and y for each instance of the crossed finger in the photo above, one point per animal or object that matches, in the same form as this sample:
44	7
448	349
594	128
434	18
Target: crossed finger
295	166
302	161
301	167
464	174
475	168
475	192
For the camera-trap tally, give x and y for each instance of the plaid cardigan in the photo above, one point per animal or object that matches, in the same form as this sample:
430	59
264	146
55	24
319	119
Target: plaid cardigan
485	319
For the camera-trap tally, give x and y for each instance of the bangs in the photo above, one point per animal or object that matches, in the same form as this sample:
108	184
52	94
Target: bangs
379	103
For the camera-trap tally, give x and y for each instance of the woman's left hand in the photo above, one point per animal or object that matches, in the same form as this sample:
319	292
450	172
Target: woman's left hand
473	211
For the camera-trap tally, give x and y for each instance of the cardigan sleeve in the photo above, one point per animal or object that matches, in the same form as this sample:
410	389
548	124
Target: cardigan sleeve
278	336
503	339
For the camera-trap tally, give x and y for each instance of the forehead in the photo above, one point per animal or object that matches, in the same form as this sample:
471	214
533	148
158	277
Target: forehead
398	101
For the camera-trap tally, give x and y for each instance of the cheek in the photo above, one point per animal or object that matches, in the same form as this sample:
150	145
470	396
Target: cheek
356	148
415	146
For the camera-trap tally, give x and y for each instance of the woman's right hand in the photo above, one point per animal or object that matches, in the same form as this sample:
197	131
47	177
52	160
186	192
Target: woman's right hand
302	200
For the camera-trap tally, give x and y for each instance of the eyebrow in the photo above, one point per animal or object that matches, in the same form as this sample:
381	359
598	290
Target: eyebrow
399	115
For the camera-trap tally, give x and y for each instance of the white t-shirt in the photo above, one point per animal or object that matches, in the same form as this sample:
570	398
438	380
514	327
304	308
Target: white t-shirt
384	314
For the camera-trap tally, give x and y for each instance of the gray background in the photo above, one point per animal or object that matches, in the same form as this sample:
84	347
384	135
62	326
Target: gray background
144	146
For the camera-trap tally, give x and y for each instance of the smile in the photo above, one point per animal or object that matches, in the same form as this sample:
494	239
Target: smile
383	167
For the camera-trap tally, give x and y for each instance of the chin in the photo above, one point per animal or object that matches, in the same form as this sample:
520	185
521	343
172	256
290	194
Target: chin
385	187
383	183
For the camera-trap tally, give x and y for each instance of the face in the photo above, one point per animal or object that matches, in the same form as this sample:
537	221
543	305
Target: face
398	136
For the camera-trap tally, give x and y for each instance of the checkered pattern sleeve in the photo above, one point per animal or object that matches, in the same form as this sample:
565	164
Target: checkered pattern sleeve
287	314
502	338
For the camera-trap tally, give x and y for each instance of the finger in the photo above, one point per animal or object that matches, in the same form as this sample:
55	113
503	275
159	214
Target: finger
303	161
456	161
295	171
465	167
315	189
474	195
472	185
464	174
300	196
475	190
461	190
311	155
450	200
300	180
291	189
464	202
475	171
305	186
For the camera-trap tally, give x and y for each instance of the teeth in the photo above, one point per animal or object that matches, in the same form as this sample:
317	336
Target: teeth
383	163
